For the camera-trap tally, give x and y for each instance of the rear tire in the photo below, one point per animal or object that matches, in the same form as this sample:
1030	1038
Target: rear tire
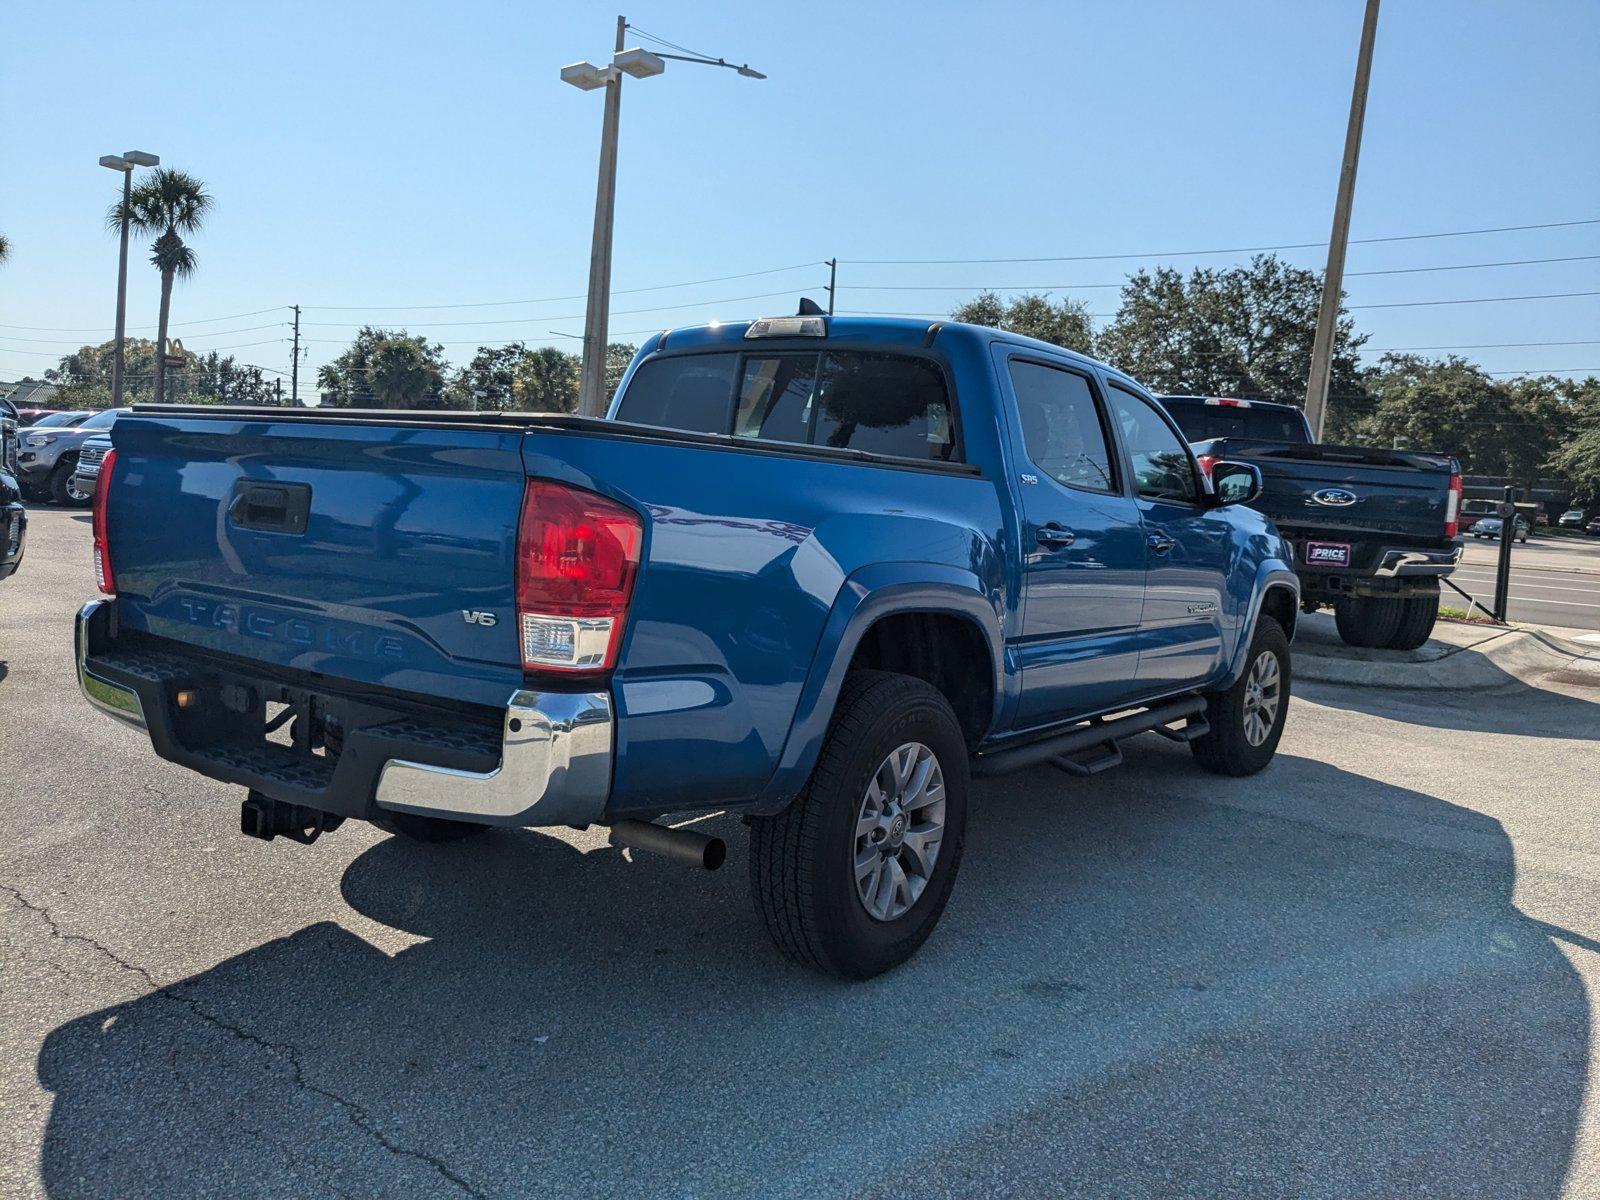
1369	621
1247	720
418	828
806	863
1417	618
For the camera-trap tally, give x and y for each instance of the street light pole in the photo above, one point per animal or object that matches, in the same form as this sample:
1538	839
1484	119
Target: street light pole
1333	277
124	163
597	313
641	64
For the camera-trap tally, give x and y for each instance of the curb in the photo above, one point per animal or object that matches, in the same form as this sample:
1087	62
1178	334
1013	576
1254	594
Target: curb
1501	658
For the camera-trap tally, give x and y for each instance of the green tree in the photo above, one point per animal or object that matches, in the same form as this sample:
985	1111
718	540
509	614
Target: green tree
618	357
1065	323
168	204
1576	457
1240	331
388	369
84	377
5	248
1453	407
488	381
547	381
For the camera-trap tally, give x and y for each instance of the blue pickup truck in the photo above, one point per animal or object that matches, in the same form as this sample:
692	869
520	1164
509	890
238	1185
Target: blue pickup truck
815	571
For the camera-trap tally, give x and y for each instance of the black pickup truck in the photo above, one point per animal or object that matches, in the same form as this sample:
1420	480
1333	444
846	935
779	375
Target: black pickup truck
1373	530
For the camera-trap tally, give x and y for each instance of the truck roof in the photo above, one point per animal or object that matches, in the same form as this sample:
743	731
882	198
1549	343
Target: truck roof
889	331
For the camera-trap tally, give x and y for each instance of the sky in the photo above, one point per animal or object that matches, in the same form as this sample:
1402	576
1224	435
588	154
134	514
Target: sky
380	162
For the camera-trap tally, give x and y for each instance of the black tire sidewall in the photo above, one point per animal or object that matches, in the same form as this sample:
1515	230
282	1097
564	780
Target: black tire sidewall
857	943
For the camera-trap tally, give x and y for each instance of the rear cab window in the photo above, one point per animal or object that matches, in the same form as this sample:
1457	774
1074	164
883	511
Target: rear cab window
1202	422
896	405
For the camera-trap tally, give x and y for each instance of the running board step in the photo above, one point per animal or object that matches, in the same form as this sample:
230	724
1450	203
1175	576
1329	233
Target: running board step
1196	728
1089	735
1089	762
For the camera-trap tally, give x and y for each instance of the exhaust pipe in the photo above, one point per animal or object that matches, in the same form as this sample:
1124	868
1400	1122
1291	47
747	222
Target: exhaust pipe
683	845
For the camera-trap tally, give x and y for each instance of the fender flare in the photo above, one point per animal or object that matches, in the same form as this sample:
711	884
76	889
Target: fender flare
1272	574
868	595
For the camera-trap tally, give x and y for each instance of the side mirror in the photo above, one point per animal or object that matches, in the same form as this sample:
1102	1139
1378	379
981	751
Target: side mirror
1235	482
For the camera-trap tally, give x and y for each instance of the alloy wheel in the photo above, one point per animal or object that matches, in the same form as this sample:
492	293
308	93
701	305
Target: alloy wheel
899	828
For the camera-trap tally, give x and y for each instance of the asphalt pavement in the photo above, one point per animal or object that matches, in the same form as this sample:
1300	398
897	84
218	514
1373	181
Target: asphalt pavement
1554	581
1365	972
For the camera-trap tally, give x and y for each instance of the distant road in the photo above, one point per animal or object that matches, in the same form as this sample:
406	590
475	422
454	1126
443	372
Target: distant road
1553	581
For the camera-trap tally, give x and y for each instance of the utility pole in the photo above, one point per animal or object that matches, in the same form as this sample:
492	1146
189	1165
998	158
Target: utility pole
833	275
294	363
277	386
592	382
1333	278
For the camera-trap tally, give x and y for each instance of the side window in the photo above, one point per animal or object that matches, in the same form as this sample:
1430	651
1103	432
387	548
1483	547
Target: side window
692	392
1061	427
884	404
775	397
1162	468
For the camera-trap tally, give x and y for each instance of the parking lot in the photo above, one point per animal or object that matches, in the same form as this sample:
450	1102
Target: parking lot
1366	971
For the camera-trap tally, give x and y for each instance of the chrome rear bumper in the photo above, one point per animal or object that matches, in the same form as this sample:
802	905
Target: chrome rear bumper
555	768
1395	563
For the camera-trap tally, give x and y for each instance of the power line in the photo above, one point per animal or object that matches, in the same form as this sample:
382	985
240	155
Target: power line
572	316
659	287
879	312
1409	237
171	325
1069	287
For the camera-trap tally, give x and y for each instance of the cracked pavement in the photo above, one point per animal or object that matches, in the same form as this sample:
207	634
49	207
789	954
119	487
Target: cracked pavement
1365	972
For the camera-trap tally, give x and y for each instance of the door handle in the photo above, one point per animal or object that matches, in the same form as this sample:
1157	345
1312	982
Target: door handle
1055	536
1159	543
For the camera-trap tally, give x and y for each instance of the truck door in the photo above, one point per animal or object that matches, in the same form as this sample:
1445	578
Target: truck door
1188	545
1083	553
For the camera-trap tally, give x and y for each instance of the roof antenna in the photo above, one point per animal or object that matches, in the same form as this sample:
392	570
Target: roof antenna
810	308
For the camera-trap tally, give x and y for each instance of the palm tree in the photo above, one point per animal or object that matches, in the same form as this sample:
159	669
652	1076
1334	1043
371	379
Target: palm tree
168	203
5	247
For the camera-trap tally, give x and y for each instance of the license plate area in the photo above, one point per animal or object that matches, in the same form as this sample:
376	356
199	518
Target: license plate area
1327	554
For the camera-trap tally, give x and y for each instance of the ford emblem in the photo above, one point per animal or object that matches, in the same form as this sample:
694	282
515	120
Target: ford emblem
1335	497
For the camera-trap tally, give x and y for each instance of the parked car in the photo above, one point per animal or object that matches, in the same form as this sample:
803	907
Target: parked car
49	418
86	474
13	516
49	457
1490	527
1593	528
816	571
1474	510
1571	519
1373	530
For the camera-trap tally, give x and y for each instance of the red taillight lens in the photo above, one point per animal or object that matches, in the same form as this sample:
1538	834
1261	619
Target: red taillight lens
577	555
1452	508
1207	461
102	549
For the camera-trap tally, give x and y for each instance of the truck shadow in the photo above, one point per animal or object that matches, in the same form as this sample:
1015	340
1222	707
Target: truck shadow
1511	707
1154	982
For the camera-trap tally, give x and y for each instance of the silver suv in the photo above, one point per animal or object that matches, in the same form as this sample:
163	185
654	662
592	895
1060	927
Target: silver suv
48	455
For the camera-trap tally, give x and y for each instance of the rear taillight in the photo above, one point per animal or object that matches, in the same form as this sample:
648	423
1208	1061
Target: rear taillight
1452	508
577	555
102	548
1207	461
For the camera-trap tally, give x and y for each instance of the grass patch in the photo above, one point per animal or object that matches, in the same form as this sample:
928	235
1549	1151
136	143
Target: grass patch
1470	616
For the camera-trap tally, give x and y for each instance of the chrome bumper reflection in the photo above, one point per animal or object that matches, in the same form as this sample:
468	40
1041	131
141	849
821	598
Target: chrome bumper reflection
110	698
1418	562
555	768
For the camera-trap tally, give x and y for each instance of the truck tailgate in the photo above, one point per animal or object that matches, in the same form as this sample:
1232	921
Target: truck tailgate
1401	495
347	548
